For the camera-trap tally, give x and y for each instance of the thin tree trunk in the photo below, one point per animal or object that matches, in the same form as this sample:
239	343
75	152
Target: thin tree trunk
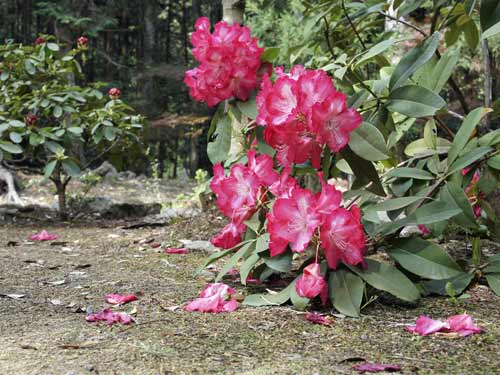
488	83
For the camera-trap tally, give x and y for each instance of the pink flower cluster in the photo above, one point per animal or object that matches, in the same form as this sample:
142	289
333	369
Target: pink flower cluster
109	317
239	193
229	62
214	298
462	324
302	112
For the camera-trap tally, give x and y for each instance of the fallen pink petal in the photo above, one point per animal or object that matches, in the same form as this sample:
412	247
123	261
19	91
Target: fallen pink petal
109	317
176	250
43	236
214	298
375	367
319	319
119	299
462	324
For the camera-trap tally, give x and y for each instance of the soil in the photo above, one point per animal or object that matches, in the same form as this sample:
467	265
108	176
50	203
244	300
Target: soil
44	332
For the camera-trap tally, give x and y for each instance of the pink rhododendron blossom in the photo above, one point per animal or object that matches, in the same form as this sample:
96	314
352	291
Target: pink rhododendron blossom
82	42
319	319
214	298
323	295
31	119
423	229
39	41
285	185
425	326
114	93
302	112
342	237
229	62
328	200
110	317
375	367
463	324
292	221
176	250
119	299
229	236
311	283
262	166
43	236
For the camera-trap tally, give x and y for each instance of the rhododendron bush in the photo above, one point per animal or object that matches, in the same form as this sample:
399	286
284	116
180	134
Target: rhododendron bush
282	135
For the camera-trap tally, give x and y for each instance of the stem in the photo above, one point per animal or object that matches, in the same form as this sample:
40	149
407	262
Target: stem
352	26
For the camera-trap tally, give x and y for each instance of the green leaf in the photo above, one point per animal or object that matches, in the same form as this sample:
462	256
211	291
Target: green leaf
346	292
262	243
270	54
419	148
248	107
11	148
494	162
17	124
29	66
364	171
58	111
384	276
430	134
494	282
280	263
268	299
218	150
494	30
75	130
489	13
471	34
405	172
49	168
376	50
53	47
300	303
455	196
214	257
443	70
231	262
15	137
247	266
493	268
424	258
414	101
468	159
56	148
459	283
465	131
414	59
394	204
71	168
368	142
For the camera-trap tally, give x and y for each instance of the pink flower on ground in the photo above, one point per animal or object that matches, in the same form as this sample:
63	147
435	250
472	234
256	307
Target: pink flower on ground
311	283
319	319
214	298
43	236
375	367
114	93
176	250
229	62
342	237
120	299
463	324
425	326
110	317
292	221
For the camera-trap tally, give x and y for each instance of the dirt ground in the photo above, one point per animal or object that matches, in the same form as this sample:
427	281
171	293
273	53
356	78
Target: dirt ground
45	332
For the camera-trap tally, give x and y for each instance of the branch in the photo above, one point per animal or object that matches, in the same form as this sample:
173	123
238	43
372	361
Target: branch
110	60
352	25
102	153
403	22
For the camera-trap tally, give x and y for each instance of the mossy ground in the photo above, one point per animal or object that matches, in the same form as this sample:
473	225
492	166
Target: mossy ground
41	335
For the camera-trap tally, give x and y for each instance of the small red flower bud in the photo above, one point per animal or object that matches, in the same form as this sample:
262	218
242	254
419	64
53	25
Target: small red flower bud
31	119
114	93
39	40
82	42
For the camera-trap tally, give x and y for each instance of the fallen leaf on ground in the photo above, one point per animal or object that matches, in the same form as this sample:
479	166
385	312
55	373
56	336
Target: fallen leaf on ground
56	302
176	250
13	296
375	367
109	317
319	319
55	283
120	299
43	236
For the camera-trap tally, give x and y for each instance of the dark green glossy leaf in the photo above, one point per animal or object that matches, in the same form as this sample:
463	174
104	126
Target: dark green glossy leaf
367	142
414	101
346	292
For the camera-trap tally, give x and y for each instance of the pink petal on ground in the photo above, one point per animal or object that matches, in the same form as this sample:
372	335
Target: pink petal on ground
425	326
375	367
43	236
214	298
176	250
109	317
319	319
120	299
463	324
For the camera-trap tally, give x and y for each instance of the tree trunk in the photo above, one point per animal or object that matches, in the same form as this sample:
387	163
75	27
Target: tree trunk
61	195
232	11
